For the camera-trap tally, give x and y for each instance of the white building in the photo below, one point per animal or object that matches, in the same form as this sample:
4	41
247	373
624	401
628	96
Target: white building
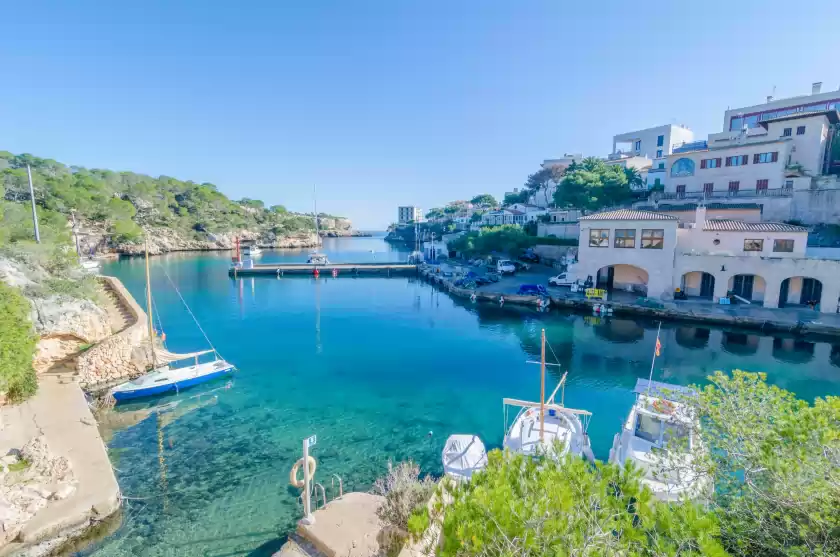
409	213
503	216
531	212
652	253
652	143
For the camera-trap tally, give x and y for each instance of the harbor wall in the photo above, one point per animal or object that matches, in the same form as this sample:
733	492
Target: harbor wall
654	310
123	355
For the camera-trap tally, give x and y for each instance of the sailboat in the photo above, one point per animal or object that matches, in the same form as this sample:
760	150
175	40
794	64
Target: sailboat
167	377
548	427
660	437
316	258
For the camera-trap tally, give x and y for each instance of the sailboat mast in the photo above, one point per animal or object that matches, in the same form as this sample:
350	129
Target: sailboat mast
317	224
149	305
542	386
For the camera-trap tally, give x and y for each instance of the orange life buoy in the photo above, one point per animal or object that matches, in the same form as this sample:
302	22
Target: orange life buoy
664	406
293	479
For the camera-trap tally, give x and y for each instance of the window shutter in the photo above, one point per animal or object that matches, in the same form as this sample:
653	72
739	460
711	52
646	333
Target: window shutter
775	156
728	161
703	163
718	163
745	159
755	158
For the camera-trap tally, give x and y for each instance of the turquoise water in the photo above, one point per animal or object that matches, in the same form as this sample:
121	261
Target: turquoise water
379	369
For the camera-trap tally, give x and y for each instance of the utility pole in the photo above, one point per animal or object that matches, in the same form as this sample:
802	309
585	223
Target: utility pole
32	198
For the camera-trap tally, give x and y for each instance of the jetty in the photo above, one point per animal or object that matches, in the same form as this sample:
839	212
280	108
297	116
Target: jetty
346	269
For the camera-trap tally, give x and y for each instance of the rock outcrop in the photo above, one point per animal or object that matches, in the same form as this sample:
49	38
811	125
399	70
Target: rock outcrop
30	478
62	315
165	240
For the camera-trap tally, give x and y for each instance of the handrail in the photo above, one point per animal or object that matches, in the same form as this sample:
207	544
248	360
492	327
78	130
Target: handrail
323	495
340	485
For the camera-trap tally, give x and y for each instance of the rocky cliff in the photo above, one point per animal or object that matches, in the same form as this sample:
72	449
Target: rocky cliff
164	240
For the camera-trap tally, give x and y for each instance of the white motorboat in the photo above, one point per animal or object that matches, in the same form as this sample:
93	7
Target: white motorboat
251	251
463	456
661	438
90	265
548	427
316	258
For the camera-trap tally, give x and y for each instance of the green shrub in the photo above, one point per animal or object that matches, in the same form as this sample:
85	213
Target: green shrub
527	507
17	345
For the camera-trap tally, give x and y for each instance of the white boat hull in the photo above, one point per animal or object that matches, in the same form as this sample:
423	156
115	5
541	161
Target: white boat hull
563	434
463	456
164	380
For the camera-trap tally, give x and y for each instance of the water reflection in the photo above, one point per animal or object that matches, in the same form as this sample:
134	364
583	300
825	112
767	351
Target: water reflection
793	351
692	337
742	344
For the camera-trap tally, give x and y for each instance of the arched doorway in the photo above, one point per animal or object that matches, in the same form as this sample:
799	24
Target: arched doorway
800	291
698	284
621	277
748	287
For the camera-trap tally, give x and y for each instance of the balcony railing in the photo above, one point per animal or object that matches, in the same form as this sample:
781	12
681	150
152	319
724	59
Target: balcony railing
777	192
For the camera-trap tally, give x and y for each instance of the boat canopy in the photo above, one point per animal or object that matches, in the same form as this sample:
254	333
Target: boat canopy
463	455
166	357
663	390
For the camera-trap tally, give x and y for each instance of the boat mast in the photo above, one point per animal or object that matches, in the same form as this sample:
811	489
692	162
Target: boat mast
542	386
317	225
149	304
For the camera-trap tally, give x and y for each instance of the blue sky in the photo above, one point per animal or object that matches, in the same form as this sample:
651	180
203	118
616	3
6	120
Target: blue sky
388	102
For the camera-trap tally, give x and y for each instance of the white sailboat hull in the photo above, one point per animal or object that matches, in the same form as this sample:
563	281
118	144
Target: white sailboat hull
165	379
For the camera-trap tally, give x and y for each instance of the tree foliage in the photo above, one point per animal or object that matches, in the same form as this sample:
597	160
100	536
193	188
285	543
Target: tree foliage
592	185
17	345
124	201
525	507
508	238
775	463
484	200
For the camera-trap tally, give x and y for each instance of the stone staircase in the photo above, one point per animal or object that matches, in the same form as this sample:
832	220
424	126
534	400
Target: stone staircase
119	315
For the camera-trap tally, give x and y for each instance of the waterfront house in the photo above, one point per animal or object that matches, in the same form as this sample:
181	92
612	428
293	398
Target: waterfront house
653	253
409	214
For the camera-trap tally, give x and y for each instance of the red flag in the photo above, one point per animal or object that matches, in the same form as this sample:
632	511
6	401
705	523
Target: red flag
658	347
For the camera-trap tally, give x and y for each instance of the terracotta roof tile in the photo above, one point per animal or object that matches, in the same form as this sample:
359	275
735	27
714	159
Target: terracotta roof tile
628	214
725	225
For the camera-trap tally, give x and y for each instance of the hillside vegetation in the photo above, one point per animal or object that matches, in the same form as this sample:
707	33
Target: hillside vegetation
121	204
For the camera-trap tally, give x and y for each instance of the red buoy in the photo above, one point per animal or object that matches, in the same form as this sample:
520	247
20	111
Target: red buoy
316	272
335	273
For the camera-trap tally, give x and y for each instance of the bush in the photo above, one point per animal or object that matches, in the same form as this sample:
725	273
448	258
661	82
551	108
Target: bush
526	507
775	463
17	345
405	493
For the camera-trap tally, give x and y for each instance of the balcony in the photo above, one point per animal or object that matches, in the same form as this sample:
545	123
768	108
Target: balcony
740	194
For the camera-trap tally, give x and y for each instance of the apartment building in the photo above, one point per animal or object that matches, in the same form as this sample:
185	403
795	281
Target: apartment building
409	213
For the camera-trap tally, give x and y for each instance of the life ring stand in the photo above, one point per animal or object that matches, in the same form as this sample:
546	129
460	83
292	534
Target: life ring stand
664	406
293	479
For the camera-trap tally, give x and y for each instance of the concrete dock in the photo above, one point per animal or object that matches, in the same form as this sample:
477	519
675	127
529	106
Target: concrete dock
343	269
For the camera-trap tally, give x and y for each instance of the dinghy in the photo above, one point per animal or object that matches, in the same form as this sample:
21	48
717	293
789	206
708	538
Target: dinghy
463	456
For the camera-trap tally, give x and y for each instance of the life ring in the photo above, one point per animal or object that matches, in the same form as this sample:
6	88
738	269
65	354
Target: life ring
664	406
293	479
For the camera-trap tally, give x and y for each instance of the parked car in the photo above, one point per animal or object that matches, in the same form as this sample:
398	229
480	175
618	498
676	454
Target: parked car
481	281
521	266
533	289
493	277
505	267
530	257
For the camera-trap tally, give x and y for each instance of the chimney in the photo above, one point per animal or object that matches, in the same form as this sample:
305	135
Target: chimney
769	98
700	216
815	87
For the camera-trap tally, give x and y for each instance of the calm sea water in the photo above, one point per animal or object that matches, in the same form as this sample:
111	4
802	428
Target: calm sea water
380	369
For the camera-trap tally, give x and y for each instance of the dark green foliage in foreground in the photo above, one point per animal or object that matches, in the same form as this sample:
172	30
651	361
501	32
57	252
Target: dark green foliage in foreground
506	239
17	345
525	507
124	201
776	466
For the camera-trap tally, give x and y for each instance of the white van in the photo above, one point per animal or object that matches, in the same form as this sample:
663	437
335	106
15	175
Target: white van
505	267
